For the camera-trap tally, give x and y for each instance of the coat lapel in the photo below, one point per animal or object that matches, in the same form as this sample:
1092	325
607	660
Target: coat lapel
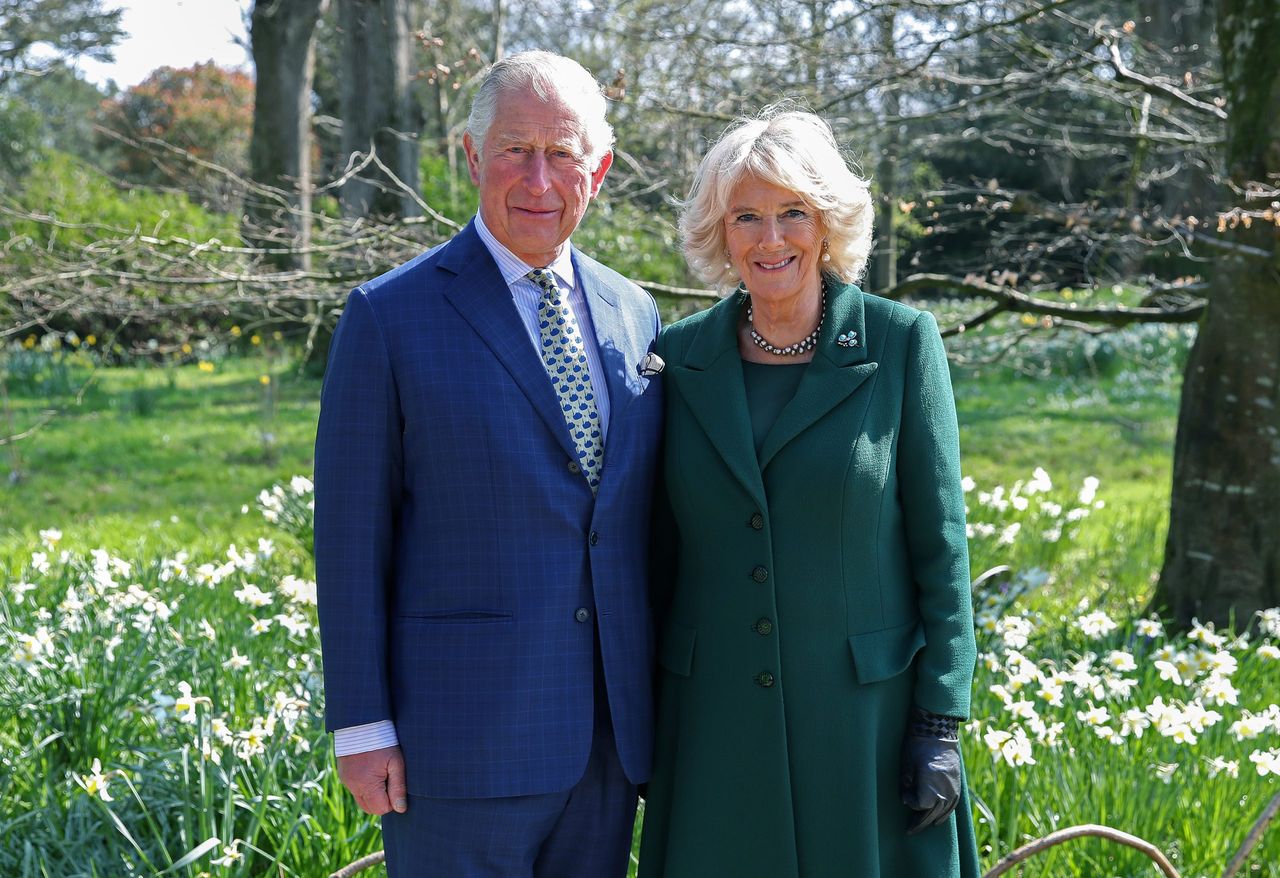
710	379
483	299
835	372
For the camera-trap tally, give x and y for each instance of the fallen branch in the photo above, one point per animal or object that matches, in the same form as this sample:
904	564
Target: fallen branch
1054	839
1255	835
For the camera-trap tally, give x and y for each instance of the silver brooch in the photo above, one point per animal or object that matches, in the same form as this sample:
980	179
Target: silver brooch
847	339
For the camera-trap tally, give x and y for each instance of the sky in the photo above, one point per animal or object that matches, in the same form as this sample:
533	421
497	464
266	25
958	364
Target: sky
176	33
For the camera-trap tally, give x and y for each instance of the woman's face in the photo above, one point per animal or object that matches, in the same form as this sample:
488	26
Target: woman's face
774	241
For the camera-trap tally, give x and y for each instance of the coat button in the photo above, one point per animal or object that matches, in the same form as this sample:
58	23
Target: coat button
594	538
764	627
757	521
760	574
764	679
582	614
574	468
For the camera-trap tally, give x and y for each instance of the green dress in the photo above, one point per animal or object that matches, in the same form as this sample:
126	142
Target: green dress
819	588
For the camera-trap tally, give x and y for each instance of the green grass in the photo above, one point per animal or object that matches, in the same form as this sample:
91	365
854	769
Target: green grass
152	444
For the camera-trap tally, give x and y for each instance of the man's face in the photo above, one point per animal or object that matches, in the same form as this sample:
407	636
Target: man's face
534	177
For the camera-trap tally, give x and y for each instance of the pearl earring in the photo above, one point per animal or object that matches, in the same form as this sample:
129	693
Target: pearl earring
826	254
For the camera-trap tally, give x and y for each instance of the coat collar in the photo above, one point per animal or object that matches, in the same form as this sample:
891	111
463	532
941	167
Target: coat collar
711	379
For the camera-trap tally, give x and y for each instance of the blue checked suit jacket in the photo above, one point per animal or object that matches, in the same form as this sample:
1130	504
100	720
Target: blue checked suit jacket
454	543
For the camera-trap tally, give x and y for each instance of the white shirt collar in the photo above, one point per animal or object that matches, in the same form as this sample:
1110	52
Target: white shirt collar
513	268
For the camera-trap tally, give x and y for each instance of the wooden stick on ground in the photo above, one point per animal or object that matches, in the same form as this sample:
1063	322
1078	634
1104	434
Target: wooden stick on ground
1056	838
1255	835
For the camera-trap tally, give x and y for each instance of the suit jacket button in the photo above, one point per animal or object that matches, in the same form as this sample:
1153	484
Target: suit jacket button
574	467
764	627
582	614
594	538
764	679
760	574
757	521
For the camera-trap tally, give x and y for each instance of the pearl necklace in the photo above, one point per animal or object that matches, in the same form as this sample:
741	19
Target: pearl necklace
808	343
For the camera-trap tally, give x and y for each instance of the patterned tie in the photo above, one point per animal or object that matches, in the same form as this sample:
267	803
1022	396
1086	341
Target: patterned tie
564	355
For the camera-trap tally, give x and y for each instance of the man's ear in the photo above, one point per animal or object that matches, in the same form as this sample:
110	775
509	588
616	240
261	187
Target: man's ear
473	158
597	176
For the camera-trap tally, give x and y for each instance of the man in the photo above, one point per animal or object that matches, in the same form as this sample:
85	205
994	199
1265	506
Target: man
486	449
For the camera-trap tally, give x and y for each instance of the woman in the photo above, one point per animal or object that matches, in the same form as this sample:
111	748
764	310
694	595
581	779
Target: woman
817	645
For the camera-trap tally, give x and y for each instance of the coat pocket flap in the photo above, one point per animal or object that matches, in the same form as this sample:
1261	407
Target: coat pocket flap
879	655
676	653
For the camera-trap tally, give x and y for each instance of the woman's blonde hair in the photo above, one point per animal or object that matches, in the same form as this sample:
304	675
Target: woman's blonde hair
788	148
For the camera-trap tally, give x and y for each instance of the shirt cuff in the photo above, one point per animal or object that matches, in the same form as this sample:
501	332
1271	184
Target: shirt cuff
362	739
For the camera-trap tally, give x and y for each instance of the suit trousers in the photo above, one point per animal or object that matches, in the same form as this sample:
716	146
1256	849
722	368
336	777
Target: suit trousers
583	832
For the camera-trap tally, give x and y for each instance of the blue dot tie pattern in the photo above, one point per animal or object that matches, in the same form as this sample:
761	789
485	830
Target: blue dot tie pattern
565	356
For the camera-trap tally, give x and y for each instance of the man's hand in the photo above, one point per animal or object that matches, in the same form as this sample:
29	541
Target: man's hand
376	779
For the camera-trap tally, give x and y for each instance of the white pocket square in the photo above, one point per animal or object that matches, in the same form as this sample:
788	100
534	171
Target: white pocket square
651	365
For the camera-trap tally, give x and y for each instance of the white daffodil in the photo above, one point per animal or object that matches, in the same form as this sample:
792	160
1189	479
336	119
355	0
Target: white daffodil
230	855
1266	761
1133	722
1121	661
1094	716
184	706
252	596
1089	490
1164	771
237	662
1248	726
40	562
1151	628
1169	671
1096	624
1269	621
1218	765
95	782
1205	634
1268	651
1219	691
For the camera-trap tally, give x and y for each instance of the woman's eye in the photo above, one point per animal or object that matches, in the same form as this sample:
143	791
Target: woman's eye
745	218
794	214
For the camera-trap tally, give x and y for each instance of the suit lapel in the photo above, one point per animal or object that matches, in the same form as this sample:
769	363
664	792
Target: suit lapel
483	299
836	371
612	338
710	379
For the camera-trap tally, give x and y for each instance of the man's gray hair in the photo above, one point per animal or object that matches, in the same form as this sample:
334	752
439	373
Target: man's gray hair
550	76
791	149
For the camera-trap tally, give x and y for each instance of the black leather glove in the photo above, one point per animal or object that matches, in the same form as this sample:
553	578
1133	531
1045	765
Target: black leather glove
930	776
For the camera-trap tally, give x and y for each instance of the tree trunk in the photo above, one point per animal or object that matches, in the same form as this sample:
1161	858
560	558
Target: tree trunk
378	110
884	259
1222	559
282	35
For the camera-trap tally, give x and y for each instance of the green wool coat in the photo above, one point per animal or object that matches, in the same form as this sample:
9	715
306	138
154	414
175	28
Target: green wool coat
819	590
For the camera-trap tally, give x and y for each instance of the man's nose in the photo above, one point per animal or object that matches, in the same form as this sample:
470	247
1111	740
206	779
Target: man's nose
537	177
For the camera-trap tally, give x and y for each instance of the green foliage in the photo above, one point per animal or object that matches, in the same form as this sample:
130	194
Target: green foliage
20	128
52	111
90	207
